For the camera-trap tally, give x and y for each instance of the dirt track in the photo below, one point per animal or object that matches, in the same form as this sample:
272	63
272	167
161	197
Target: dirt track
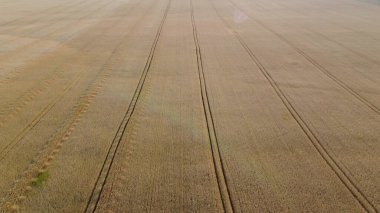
190	106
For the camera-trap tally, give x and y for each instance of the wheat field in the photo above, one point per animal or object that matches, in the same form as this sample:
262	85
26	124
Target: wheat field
189	106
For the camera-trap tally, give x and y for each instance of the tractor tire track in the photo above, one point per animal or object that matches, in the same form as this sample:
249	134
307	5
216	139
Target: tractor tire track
97	190
19	37
9	32
18	70
335	41
219	165
46	109
37	119
43	12
345	47
338	169
117	191
27	33
11	109
321	68
46	155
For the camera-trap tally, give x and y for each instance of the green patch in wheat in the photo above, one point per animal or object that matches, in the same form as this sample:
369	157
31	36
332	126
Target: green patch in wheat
41	178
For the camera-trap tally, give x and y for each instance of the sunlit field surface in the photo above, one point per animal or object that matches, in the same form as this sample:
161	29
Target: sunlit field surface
189	106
